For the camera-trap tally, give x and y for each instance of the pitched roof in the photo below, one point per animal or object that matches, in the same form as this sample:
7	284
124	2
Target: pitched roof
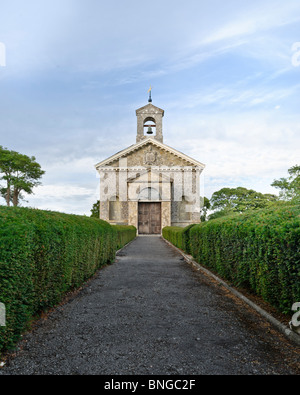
139	145
149	108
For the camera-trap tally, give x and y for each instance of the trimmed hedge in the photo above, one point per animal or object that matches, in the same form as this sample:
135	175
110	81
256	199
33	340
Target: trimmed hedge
259	251
124	234
44	255
178	236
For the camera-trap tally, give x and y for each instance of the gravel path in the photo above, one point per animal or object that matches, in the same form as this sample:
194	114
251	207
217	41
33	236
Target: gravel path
151	313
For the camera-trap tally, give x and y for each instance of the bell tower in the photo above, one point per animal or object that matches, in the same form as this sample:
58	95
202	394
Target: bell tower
149	122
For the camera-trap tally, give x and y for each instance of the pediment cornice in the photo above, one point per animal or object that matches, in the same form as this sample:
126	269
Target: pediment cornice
149	141
149	108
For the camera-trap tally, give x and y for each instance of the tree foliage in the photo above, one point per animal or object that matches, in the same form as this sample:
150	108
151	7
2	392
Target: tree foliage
205	206
238	200
290	186
96	210
21	173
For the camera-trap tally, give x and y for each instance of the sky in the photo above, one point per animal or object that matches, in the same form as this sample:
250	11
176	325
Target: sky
73	72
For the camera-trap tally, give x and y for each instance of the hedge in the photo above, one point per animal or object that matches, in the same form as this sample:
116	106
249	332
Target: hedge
178	236
258	251
124	234
44	255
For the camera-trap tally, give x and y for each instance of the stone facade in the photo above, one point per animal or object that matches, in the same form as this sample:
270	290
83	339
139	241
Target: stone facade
150	172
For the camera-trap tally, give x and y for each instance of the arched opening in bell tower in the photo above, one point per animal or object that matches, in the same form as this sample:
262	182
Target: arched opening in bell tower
149	127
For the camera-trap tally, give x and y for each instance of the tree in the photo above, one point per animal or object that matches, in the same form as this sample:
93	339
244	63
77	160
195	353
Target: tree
6	167
205	206
289	187
96	210
230	200
21	173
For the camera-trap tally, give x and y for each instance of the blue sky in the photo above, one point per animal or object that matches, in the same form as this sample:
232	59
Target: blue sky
77	70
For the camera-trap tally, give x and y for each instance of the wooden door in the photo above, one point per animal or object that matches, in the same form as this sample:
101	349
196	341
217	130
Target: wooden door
149	218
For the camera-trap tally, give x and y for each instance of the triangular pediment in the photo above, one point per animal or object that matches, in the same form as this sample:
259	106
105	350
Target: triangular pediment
149	152
149	108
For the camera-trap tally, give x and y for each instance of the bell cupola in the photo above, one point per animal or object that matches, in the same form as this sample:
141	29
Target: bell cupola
149	121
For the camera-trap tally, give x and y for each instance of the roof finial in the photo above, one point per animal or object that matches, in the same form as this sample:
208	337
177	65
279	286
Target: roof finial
149	91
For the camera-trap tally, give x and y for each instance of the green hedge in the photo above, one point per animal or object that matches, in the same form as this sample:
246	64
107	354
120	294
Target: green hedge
259	251
178	236
124	234
44	255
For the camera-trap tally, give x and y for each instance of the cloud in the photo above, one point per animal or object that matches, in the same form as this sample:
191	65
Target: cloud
76	72
61	191
72	199
243	94
257	19
240	150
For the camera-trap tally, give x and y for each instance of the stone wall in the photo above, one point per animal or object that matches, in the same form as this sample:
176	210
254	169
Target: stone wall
152	166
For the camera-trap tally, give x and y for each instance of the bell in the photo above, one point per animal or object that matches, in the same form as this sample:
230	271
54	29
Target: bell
149	130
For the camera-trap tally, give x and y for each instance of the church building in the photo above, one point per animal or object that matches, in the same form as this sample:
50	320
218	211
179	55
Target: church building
149	184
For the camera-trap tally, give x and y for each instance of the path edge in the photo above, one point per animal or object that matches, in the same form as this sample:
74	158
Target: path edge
131	241
279	325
